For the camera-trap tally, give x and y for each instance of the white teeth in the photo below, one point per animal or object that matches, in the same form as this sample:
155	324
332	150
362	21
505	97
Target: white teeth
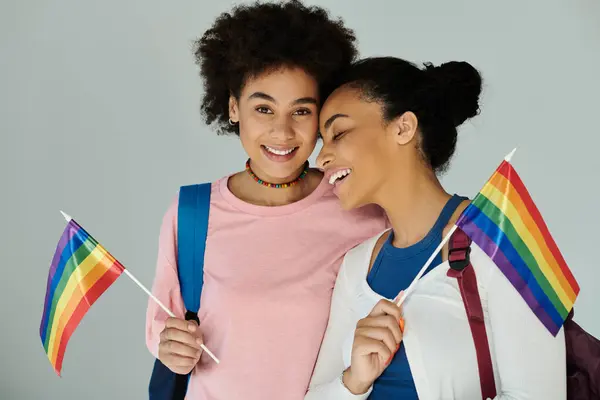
280	152
339	175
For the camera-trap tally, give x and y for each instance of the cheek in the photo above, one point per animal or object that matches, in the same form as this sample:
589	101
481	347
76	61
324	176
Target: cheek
367	160
252	128
357	150
247	144
308	124
307	130
250	134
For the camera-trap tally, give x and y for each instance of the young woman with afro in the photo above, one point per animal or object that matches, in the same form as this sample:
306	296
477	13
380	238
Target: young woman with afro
276	233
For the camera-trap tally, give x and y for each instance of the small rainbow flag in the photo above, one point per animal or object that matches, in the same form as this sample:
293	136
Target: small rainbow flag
505	223
80	272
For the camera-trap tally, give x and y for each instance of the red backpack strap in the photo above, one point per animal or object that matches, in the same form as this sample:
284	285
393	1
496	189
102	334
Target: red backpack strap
462	270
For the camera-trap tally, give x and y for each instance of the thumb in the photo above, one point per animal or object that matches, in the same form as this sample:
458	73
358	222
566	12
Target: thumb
197	332
194	328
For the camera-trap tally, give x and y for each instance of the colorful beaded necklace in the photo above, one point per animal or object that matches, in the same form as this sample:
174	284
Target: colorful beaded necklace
277	185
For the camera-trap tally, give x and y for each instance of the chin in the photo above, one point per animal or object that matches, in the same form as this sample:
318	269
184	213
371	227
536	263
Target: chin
348	201
354	195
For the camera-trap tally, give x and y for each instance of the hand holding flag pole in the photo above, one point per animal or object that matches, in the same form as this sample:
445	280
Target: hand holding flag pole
152	296
80	272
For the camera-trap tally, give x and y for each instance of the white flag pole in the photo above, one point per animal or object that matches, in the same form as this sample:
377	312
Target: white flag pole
137	282
424	268
410	288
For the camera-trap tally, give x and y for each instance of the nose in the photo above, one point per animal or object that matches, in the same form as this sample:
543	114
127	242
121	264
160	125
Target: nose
283	130
325	157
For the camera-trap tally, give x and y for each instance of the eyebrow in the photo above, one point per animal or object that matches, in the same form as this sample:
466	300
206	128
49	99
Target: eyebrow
333	118
305	100
264	96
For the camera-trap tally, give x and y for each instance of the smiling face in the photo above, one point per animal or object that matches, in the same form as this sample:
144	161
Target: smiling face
278	119
360	149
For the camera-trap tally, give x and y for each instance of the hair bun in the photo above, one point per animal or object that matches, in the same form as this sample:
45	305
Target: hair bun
459	85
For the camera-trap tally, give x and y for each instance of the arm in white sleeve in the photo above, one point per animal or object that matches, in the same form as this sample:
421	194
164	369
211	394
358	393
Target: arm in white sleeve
326	382
531	363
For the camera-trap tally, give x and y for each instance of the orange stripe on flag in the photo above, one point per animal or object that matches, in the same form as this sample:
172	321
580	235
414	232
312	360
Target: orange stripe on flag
504	186
509	173
84	285
90	298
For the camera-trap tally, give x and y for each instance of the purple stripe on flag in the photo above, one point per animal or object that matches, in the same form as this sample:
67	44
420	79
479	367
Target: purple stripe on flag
496	254
70	230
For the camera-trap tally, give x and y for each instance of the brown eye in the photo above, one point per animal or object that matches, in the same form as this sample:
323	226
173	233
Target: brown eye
303	111
264	110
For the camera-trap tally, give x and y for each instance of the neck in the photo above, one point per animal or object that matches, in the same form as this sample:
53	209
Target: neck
412	202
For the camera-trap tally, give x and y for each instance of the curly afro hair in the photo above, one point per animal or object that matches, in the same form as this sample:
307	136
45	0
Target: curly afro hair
257	38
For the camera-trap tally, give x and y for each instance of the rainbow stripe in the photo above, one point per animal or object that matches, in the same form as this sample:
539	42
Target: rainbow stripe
505	223
80	272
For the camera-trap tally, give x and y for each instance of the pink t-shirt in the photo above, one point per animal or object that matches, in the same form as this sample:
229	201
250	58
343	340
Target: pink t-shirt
269	274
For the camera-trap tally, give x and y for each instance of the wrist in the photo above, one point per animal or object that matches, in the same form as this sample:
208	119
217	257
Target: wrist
355	386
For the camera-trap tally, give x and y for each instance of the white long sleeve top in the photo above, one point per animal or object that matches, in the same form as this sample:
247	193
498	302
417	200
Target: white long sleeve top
529	363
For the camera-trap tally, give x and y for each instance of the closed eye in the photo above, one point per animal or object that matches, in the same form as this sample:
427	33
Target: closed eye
339	135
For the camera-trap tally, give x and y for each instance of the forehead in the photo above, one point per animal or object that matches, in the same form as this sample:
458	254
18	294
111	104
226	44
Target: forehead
348	101
282	83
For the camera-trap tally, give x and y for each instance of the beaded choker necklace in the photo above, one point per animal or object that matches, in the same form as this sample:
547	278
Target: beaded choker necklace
277	185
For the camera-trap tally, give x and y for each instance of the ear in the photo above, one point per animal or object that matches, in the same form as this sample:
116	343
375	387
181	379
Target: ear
233	109
405	128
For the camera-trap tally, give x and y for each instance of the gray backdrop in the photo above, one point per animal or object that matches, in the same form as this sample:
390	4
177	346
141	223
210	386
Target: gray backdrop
99	117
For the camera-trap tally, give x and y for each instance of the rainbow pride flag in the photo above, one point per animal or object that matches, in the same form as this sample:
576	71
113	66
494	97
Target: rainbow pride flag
504	222
80	272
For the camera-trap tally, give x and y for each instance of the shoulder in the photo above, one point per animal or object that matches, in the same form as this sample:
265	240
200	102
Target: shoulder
214	188
170	214
355	265
367	213
362	222
169	218
455	215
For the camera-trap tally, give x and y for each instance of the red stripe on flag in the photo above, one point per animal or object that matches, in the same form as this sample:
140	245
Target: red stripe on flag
511	174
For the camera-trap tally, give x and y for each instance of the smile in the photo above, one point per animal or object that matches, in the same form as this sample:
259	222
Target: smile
279	152
339	176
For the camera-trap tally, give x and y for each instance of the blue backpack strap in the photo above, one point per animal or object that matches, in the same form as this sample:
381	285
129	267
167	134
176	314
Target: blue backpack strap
192	227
